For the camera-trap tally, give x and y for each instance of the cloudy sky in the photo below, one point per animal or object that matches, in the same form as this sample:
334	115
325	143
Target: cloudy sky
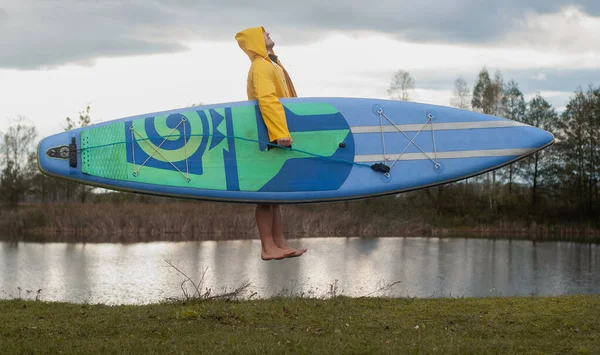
140	56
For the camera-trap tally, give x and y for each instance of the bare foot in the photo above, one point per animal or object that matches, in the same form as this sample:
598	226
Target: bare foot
276	254
285	142
281	244
295	252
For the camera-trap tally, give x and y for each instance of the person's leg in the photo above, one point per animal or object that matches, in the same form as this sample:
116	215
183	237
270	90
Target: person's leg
277	229
264	222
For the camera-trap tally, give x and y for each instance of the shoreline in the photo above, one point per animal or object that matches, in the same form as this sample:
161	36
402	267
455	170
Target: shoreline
95	237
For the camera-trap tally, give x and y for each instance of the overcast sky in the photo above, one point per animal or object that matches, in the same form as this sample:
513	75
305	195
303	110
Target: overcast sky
139	56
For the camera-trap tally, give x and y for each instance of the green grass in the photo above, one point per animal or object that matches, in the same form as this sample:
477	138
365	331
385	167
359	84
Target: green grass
340	325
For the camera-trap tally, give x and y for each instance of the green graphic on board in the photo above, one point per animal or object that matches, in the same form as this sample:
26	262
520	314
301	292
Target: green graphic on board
201	149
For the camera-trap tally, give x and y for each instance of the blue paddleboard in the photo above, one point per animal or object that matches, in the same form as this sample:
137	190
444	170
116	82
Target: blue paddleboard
344	148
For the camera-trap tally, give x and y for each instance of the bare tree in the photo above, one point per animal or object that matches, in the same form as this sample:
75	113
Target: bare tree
401	86
487	94
462	94
17	147
488	98
83	121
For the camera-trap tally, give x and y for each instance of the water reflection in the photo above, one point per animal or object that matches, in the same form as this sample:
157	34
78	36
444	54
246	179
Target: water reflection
425	267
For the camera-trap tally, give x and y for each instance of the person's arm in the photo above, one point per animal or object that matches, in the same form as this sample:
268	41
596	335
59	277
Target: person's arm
270	107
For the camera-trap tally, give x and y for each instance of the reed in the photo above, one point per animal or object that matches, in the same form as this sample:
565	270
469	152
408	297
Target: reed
176	220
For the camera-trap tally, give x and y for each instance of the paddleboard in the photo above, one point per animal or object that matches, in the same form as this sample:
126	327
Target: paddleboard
343	149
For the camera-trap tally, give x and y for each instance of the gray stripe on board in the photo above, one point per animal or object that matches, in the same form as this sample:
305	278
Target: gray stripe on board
437	126
446	155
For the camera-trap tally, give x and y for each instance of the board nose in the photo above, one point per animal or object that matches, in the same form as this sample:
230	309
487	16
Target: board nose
43	150
54	154
543	138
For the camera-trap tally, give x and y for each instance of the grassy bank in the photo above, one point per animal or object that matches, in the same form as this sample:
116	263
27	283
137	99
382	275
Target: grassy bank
172	220
532	325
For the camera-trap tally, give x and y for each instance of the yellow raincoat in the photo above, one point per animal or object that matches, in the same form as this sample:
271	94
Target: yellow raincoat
267	82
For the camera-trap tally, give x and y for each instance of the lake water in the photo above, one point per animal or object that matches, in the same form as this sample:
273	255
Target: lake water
424	267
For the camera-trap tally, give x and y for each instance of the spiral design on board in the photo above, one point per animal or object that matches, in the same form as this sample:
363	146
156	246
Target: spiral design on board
179	135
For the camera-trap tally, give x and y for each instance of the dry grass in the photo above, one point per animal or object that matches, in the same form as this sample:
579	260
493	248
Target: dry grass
128	222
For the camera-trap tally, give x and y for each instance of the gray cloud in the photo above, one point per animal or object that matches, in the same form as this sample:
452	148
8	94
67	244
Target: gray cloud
554	79
36	34
58	32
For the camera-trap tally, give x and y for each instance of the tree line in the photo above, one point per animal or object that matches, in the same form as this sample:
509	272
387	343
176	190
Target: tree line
560	181
20	178
557	183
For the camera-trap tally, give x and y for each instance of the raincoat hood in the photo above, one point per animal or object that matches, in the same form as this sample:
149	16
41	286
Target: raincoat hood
267	82
252	42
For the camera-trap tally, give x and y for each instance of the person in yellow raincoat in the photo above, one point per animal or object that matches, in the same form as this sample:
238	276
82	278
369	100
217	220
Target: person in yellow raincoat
267	82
